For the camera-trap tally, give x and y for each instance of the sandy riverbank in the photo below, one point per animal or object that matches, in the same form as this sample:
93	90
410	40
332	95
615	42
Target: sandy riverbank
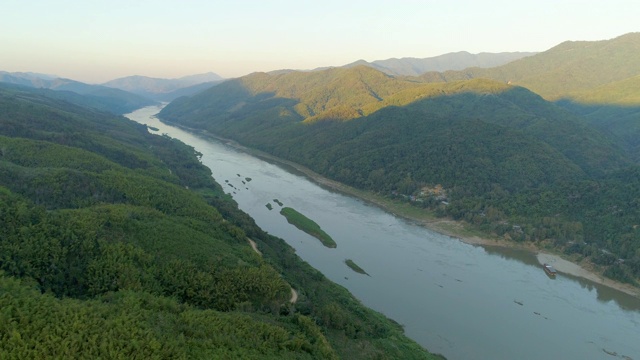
447	227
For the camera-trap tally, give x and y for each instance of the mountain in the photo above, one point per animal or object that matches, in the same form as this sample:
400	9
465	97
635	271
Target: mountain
25	78
451	61
165	89
96	96
493	147
568	68
595	79
116	241
352	93
613	108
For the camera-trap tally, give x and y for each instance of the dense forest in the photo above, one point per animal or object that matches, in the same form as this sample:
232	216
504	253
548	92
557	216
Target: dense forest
598	80
495	155
118	243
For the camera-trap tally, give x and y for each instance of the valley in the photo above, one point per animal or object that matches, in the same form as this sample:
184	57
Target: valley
514	165
414	272
387	209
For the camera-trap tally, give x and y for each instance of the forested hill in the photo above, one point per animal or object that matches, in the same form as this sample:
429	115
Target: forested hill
568	68
260	106
498	155
598	80
118	243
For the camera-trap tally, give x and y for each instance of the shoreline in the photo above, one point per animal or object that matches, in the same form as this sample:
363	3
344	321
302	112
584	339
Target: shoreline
448	227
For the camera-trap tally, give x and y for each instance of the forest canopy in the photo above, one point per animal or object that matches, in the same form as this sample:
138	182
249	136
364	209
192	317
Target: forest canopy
118	243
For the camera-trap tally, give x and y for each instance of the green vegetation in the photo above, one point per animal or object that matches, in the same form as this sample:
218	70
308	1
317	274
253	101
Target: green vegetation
505	160
307	225
138	324
598	80
355	267
568	68
269	206
116	242
278	202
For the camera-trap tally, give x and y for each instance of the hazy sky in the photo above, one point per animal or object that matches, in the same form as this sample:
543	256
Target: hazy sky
95	41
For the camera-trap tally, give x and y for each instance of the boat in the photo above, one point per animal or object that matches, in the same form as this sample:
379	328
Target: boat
549	270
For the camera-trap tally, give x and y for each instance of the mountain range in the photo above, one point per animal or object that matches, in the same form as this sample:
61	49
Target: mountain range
96	96
118	96
451	61
495	138
165	89
114	240
598	80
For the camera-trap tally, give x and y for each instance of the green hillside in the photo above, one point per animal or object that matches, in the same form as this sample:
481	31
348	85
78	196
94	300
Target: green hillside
268	110
339	93
595	79
494	149
568	68
613	108
118	243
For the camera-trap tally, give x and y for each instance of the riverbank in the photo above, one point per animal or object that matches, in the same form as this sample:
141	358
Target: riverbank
455	229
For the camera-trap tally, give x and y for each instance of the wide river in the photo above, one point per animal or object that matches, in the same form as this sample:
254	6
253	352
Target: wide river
460	300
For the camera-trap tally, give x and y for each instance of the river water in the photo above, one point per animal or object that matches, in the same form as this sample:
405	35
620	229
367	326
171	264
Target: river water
460	300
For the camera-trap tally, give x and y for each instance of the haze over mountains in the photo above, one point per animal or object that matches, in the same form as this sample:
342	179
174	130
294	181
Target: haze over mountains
165	89
150	89
96	96
451	61
118	96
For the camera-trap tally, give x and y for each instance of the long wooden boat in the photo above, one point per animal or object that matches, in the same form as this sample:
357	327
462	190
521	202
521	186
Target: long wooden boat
549	270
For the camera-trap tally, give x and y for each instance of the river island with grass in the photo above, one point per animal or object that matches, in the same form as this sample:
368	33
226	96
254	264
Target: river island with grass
353	266
307	225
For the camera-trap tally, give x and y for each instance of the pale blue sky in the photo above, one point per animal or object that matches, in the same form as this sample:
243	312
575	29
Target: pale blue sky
95	41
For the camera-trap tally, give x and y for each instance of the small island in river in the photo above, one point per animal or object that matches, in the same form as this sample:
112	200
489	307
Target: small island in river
355	267
307	225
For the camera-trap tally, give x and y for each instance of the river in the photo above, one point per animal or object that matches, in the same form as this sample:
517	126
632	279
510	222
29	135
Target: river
463	301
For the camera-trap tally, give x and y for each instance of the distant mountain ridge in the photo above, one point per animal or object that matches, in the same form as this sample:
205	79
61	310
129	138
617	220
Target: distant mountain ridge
96	96
165	89
451	61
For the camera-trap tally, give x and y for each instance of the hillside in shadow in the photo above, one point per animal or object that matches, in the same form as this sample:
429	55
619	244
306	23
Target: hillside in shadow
620	120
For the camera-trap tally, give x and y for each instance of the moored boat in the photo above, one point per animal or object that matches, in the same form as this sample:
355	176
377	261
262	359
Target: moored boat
549	270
